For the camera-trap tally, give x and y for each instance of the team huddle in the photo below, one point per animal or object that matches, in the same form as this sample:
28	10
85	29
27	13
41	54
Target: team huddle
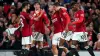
62	29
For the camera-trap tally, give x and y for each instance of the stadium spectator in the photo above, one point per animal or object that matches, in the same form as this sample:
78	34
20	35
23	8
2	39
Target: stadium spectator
97	43
1	11
19	7
2	29
6	8
14	44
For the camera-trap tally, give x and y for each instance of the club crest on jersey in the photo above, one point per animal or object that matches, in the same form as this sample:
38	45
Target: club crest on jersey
34	14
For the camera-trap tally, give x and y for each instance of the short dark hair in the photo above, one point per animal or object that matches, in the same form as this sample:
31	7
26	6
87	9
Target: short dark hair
36	3
15	13
25	4
73	3
56	4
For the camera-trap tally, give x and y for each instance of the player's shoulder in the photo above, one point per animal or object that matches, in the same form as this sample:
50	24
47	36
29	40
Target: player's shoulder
22	14
43	11
63	9
81	11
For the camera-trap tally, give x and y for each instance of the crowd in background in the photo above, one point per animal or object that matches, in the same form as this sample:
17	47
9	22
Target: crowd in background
9	18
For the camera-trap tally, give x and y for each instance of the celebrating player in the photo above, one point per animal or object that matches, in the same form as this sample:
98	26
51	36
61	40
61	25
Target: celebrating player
58	29
26	28
67	30
40	24
80	33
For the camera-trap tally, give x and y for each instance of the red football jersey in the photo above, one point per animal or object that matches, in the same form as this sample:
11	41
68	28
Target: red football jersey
6	8
39	26
79	21
57	23
26	28
64	17
71	28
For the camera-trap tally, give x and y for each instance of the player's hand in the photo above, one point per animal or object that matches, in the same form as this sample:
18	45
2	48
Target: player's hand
70	24
34	18
13	41
32	27
66	29
51	35
74	28
52	28
47	30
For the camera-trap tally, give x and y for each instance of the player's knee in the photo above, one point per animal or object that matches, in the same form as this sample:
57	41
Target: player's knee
54	47
66	44
61	42
66	50
33	42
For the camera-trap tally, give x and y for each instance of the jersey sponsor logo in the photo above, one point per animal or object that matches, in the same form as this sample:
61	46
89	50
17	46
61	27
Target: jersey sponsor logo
82	15
76	19
54	20
64	13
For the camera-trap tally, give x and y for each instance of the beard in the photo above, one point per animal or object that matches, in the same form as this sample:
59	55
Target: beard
51	12
28	10
75	9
